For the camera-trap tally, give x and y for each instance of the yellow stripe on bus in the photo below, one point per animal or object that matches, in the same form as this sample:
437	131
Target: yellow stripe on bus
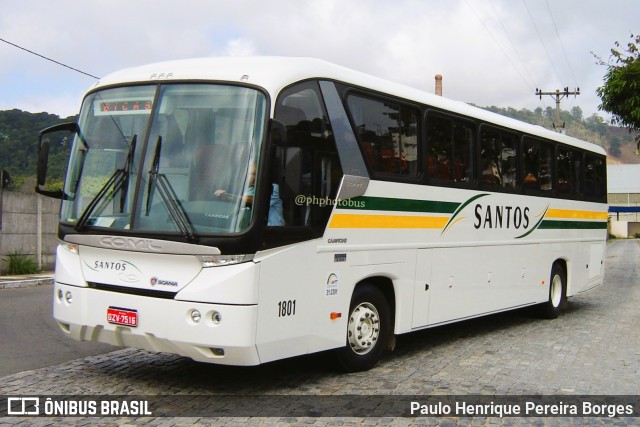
574	214
386	221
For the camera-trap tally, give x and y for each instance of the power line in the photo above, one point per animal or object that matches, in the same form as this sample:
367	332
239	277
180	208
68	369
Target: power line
499	45
515	49
48	59
564	52
540	38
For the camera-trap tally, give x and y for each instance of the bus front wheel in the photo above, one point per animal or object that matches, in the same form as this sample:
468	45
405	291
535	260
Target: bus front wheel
557	293
369	328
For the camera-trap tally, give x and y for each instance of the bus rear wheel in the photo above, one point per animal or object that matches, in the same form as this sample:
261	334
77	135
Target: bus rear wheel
369	328
557	293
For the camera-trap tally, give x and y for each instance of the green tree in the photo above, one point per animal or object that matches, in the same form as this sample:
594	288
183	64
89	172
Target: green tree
620	94
576	113
615	146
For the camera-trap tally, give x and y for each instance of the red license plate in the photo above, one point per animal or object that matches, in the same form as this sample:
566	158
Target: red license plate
122	316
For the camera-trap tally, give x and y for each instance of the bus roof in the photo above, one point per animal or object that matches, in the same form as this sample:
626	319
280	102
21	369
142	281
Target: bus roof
275	73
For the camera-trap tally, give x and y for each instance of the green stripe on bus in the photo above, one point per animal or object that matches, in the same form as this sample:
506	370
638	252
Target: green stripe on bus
399	205
573	225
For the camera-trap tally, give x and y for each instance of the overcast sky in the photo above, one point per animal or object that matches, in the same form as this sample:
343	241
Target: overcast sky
490	52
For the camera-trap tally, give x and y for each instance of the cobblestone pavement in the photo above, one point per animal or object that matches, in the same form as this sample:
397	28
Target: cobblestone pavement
593	349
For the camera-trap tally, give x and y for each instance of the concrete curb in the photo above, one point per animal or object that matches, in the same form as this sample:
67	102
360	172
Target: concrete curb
10	282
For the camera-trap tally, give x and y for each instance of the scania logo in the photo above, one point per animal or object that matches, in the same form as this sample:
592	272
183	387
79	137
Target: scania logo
130	244
160	282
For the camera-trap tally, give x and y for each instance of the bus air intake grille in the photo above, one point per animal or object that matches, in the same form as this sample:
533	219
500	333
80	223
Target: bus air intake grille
133	291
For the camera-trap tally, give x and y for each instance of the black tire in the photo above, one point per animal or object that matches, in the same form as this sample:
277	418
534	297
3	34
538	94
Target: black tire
557	293
369	328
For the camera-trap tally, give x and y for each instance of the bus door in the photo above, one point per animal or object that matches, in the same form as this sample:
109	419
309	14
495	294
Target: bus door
306	176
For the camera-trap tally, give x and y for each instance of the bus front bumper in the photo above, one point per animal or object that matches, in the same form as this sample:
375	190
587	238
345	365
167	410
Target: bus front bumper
217	333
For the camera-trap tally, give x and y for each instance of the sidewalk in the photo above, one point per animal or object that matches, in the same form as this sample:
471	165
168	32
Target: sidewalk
26	281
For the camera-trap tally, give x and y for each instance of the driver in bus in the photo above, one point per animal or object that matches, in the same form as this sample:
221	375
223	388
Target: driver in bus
276	218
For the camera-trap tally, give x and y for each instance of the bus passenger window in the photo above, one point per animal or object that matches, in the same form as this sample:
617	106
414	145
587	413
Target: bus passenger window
387	134
595	178
537	161
498	155
449	148
568	172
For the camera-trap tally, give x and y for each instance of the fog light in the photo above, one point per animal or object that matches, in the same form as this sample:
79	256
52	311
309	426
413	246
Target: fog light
216	317
60	294
196	316
218	352
68	297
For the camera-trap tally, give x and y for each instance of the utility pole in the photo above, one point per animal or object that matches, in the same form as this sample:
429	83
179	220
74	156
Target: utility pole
558	96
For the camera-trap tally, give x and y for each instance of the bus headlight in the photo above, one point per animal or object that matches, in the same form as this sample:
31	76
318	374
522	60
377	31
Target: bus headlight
195	316
221	260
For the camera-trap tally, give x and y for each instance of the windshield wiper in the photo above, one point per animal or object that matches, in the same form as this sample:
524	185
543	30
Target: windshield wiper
127	171
119	181
168	196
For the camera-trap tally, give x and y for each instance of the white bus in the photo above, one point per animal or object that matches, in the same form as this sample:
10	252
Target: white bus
243	210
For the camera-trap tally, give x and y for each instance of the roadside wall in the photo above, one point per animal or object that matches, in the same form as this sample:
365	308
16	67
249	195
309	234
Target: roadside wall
30	227
624	229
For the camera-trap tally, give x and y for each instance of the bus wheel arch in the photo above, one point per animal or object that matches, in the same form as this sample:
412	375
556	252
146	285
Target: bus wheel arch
370	325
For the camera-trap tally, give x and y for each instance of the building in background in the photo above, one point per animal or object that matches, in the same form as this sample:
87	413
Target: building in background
623	196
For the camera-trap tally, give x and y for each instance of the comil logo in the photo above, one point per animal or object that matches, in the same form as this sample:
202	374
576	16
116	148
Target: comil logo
130	243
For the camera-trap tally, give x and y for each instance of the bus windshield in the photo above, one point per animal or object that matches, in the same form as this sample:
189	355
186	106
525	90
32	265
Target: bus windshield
166	158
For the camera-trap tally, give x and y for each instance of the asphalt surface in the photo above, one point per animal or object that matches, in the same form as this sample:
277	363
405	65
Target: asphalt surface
30	337
592	350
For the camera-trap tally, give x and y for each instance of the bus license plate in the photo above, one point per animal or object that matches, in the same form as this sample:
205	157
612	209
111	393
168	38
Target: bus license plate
122	316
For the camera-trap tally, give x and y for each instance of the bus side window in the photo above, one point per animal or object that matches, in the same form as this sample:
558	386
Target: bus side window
450	145
498	155
387	133
568	166
594	178
537	162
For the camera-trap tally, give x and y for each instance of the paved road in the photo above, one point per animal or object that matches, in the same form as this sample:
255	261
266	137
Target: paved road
29	337
593	349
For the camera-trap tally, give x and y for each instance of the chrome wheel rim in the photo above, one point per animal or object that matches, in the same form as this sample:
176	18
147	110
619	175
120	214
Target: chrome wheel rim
364	328
556	291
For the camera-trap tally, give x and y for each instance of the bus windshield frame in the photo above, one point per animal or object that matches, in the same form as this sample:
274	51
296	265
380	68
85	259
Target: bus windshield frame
166	159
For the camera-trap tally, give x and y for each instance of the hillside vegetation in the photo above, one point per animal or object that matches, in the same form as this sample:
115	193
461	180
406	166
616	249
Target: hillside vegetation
19	145
19	134
618	142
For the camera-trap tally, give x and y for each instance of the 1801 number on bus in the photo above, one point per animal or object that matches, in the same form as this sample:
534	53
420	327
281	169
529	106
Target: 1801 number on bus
287	308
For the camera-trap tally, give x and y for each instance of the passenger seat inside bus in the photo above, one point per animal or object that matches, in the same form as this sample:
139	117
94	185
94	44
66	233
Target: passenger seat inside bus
298	134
